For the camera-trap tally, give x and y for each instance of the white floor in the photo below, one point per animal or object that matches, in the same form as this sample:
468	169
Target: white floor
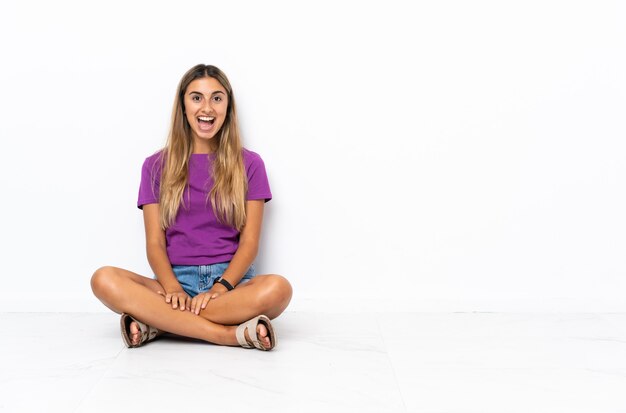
420	362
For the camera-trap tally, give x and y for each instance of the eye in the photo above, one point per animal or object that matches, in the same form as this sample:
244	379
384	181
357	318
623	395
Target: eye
217	98
195	98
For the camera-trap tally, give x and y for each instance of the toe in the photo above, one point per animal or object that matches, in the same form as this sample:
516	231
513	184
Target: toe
261	332
262	336
134	333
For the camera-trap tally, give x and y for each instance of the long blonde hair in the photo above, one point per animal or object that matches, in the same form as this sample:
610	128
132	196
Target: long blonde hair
230	181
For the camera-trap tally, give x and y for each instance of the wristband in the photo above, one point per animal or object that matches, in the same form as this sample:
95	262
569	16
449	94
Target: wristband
226	284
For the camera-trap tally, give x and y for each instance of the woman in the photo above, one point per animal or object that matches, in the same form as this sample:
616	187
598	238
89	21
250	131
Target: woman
202	198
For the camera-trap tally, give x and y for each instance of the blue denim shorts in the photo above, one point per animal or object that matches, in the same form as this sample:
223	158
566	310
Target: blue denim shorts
196	279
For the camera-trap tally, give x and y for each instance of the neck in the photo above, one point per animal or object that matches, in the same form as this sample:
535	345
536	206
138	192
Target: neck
197	149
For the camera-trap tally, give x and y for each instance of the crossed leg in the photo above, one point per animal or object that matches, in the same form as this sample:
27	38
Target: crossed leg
125	291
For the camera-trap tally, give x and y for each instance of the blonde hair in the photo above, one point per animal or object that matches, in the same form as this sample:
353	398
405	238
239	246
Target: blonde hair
230	181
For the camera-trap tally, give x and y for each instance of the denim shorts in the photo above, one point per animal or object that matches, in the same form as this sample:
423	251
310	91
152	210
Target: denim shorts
196	279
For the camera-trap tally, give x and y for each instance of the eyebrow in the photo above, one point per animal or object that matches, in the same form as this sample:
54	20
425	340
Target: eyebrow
213	93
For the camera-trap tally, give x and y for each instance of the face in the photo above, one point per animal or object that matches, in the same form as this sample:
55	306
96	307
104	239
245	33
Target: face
206	103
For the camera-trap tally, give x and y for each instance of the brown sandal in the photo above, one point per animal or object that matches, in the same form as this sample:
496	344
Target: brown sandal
147	333
251	326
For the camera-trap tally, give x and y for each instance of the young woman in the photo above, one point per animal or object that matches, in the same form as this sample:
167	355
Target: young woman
202	198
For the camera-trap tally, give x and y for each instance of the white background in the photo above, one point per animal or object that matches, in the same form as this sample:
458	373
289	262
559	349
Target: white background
442	156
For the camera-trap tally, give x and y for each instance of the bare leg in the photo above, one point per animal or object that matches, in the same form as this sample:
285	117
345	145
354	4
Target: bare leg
125	291
264	294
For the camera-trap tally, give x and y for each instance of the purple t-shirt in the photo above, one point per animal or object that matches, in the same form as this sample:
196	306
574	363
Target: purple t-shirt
196	237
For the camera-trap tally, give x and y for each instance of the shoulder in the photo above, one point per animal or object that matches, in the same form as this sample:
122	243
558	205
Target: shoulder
258	184
251	159
249	155
153	160
151	168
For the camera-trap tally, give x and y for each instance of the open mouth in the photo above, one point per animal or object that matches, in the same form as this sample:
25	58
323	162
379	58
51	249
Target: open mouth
206	122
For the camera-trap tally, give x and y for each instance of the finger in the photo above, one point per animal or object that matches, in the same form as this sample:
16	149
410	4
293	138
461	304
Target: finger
168	298
198	306
174	301
160	293
205	301
181	302
194	303
188	301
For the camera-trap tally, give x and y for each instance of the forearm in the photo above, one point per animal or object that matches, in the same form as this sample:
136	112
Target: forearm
162	268
239	265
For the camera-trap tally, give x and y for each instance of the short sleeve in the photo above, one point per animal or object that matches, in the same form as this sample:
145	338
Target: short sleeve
150	180
258	184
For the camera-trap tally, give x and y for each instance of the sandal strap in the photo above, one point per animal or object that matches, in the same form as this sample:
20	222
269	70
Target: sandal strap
241	330
251	325
143	329
147	332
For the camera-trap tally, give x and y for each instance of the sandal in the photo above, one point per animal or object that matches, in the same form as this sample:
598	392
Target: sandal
147	333
251	326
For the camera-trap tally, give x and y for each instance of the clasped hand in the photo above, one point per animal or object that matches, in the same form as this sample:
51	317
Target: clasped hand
180	299
200	301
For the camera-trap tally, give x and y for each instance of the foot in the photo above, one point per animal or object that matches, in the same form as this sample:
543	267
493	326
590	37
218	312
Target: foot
261	332
135	333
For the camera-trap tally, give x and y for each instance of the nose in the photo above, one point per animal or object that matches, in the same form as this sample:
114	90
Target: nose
207	105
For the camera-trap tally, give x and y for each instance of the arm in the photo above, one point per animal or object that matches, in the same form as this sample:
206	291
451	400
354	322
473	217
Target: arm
248	243
158	259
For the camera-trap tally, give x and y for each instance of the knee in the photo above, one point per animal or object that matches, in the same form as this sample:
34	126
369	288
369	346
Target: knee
277	291
103	281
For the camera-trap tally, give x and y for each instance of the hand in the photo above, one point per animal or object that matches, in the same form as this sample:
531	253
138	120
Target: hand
200	301
178	299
